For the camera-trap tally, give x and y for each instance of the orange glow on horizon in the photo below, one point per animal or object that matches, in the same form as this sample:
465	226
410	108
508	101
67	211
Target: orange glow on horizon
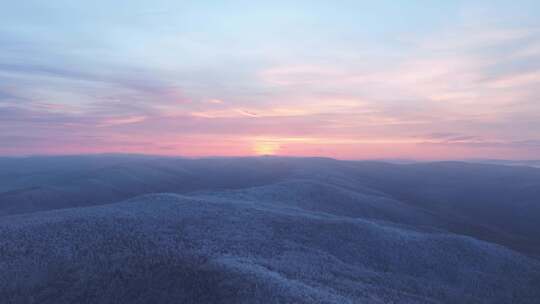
266	148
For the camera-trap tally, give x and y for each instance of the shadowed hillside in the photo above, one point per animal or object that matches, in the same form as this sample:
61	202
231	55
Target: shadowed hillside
494	203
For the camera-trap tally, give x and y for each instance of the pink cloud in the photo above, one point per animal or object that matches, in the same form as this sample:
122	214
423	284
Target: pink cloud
122	121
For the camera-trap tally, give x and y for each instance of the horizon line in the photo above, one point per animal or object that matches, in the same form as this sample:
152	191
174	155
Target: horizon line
390	159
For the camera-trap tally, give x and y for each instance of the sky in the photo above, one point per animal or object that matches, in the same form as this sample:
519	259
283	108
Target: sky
408	79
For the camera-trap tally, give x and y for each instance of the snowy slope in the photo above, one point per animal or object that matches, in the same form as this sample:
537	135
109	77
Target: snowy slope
167	248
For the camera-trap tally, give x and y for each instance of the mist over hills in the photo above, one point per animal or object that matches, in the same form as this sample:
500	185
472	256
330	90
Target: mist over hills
527	163
144	229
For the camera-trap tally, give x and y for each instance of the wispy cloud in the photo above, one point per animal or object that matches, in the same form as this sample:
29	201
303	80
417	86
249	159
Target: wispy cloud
326	79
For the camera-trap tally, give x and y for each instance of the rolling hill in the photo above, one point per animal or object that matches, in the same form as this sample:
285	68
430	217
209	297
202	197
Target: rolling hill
138	229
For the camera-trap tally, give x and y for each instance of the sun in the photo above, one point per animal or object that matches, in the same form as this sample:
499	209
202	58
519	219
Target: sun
266	148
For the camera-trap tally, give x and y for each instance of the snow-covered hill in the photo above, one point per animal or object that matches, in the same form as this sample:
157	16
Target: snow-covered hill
167	248
132	229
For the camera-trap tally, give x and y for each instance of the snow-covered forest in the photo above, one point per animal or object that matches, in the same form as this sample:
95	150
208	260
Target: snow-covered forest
133	229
